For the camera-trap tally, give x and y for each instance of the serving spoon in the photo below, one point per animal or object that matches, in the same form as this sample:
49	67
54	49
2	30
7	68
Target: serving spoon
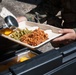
10	21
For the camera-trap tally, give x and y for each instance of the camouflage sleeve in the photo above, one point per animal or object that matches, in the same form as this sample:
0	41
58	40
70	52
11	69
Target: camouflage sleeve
75	29
75	32
54	6
51	6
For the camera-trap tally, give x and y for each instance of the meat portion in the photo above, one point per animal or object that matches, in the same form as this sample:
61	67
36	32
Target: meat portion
36	37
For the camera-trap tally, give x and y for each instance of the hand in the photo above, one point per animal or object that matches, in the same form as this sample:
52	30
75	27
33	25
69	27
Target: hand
22	18
68	35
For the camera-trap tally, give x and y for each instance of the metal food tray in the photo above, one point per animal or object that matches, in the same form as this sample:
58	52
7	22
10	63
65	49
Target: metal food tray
23	56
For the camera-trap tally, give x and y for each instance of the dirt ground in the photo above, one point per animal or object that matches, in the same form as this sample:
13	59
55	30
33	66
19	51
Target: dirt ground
20	8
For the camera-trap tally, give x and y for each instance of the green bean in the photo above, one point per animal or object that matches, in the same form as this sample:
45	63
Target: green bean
18	33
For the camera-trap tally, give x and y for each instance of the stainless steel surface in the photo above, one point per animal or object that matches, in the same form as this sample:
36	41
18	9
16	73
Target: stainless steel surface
23	56
11	22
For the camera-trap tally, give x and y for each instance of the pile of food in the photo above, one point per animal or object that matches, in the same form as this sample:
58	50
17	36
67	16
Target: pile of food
32	38
36	37
18	33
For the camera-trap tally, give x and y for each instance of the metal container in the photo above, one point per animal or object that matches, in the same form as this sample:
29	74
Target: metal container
54	62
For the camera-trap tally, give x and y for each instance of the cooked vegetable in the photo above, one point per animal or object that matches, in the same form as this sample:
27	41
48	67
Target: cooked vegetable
18	33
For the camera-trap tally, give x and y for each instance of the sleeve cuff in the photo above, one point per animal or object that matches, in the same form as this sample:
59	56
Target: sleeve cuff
75	29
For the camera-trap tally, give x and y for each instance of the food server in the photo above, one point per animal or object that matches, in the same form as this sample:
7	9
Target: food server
16	59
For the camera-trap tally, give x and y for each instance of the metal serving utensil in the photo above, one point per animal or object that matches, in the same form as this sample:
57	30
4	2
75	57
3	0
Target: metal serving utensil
11	23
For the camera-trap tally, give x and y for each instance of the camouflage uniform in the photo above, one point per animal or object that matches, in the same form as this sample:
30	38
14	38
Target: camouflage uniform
52	7
0	0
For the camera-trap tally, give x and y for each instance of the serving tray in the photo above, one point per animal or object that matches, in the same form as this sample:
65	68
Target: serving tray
50	30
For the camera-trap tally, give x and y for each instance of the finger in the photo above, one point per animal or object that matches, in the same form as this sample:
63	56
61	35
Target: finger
61	38
64	31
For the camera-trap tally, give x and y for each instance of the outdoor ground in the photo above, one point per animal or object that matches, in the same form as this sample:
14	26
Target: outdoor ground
21	8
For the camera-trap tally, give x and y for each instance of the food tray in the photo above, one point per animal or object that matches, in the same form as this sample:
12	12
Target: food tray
50	30
20	57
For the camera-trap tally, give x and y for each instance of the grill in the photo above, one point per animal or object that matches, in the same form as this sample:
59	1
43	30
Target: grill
53	62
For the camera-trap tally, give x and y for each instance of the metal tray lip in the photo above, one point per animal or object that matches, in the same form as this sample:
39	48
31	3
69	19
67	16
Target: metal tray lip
18	56
40	26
